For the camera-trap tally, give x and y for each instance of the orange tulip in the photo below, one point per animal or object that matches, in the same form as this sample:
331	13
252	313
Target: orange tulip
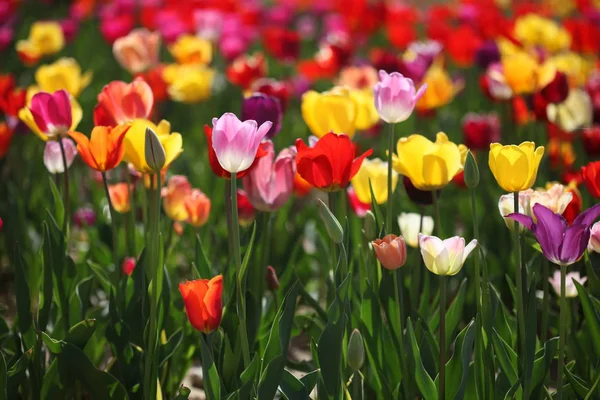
119	196
174	195
104	150
202	299
197	206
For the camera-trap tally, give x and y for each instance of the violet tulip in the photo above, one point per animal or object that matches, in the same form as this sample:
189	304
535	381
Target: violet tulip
262	108
396	97
561	244
271	181
236	142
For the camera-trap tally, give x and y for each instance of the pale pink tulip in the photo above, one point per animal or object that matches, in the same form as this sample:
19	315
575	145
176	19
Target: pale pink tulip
138	51
53	155
445	257
395	97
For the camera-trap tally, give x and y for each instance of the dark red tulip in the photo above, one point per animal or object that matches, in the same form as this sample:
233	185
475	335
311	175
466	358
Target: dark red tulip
557	90
591	140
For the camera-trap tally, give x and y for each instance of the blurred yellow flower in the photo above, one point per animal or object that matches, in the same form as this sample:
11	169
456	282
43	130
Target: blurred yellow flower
515	167
440	89
190	49
576	67
536	31
45	39
135	143
429	165
332	111
521	72
576	112
189	83
374	171
65	73
366	113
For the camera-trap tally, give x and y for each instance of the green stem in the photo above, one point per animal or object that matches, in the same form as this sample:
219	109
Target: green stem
398	299
390	199
153	270
478	298
416	271
442	330
113	225
519	278
67	198
546	300
562	333
436	207
130	223
235	238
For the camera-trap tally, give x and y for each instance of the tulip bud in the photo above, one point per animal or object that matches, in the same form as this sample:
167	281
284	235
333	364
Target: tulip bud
390	251
128	265
154	151
471	172
356	351
370	226
271	277
332	225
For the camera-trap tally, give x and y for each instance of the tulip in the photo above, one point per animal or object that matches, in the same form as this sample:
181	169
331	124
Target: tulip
591	140
515	167
104	150
557	90
411	223
429	165
270	183
356	351
574	113
246	211
51	115
6	135
495	84
480	130
358	207
174	195
330	164
366	113
189	83
209	23
536	31
189	49
135	144
119	197
116	26
128	265
236	142
84	217
390	251
331	111
555	197
45	38
197	206
464	45
282	43
373	174
271	278
396	97
487	54
262	108
594	243
441	89
570	288
591	177
561	244
138	51
202	300
358	77
445	257
573	209
62	74
246	69
274	88
53	156
120	102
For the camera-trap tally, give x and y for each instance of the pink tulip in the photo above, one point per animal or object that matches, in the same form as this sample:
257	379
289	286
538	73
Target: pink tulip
395	97
52	112
208	24
53	155
271	181
120	102
138	51
236	142
116	27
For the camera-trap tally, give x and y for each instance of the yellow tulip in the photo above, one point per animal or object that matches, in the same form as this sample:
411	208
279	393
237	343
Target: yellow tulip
45	38
515	167
190	49
440	89
576	67
62	74
332	111
429	165
135	143
521	71
26	116
374	171
536	31
189	83
366	113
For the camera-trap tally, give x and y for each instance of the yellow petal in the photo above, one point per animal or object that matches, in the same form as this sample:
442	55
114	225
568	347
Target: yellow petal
25	116
173	145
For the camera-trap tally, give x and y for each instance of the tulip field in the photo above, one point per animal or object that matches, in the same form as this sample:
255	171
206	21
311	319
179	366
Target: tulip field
300	199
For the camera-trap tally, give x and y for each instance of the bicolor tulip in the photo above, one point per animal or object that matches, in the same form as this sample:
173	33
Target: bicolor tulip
396	97
429	165
561	244
331	111
104	150
269	184
203	303
138	51
53	160
120	102
570	288
374	173
515	167
331	163
119	196
135	143
410	223
62	74
197	206
590	174
445	257
51	115
390	251
521	72
174	195
191	49
45	38
261	108
235	142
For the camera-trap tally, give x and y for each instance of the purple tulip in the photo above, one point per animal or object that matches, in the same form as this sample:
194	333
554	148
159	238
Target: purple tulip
396	97
262	108
561	244
487	54
84	216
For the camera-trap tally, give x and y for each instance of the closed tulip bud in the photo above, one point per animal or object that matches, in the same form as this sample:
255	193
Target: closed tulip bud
356	351
390	251
154	151
445	257
271	277
332	225
128	265
471	172
370	226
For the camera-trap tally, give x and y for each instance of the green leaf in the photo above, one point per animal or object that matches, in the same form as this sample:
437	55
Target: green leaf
100	273
453	314
292	387
166	350
212	382
458	366
22	293
577	384
424	381
248	254
16	374
310	380
541	366
47	288
182	394
506	357
202	265
3	378
590	315
59	208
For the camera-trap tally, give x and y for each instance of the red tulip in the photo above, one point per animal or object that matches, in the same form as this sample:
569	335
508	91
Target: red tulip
245	69
574	207
480	130
203	303
591	140
591	177
281	43
128	265
246	211
330	164
462	45
275	88
557	90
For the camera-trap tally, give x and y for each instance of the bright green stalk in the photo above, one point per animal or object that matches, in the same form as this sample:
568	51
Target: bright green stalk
66	196
562	332
390	199
442	330
113	225
519	279
546	301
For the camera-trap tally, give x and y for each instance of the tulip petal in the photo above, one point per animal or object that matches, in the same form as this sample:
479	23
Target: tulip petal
588	216
574	244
